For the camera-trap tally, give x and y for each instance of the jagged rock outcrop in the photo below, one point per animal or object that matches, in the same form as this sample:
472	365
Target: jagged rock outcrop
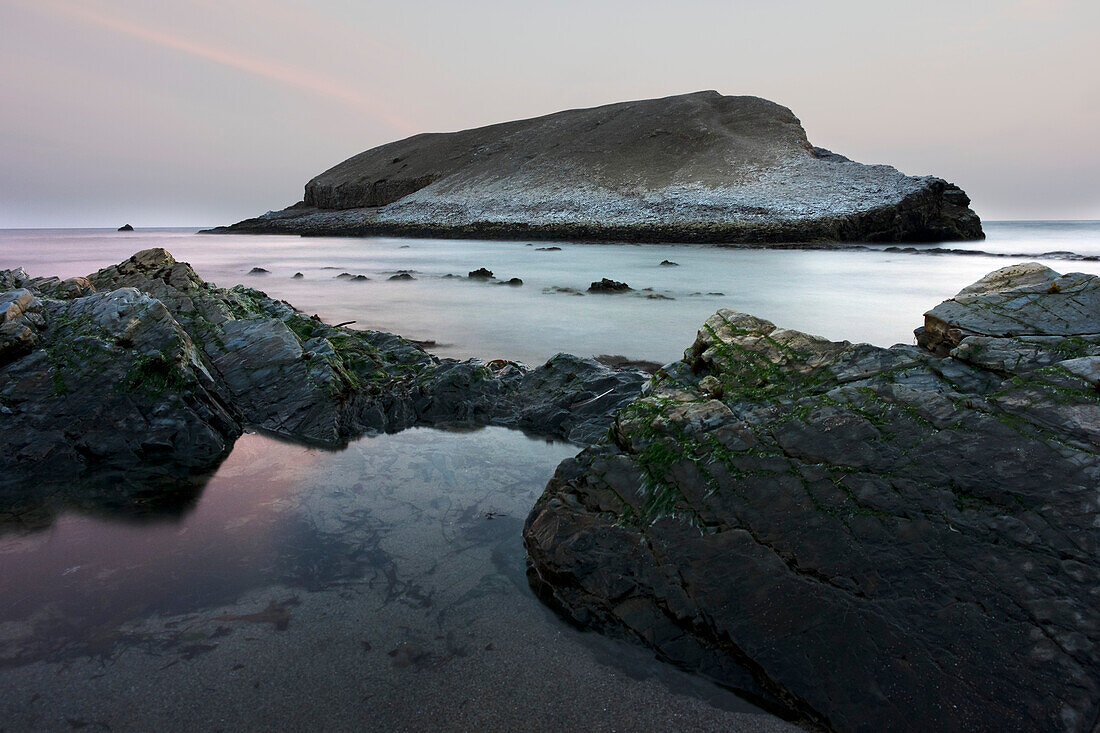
1018	311
106	380
144	371
691	168
865	538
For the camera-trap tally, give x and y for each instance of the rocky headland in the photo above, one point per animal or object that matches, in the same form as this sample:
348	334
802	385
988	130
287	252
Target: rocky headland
863	538
136	380
699	167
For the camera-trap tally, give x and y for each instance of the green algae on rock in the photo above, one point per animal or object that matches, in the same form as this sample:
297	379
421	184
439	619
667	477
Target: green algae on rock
143	372
865	538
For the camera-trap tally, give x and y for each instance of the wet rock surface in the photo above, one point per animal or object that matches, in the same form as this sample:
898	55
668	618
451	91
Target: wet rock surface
1010	308
864	538
607	285
698	167
148	371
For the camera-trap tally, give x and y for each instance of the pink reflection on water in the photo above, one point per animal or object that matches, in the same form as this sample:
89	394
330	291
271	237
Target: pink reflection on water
105	570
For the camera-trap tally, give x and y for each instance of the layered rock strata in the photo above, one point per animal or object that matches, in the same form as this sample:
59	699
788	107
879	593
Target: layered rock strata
699	167
864	538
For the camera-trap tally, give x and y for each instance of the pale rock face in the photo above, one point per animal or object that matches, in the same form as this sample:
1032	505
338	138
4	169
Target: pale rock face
694	167
1026	300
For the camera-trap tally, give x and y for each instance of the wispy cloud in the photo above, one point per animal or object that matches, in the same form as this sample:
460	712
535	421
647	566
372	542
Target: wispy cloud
265	68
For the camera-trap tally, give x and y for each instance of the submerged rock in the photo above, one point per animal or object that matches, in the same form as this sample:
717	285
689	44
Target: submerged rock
259	271
696	167
401	276
866	538
480	273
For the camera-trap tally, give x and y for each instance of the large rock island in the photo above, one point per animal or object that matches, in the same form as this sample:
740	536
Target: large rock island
868	538
697	167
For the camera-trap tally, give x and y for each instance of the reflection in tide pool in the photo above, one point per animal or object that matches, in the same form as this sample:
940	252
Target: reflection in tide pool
380	586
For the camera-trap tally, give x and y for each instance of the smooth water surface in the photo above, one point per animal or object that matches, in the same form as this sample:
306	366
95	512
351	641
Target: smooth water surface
381	587
873	296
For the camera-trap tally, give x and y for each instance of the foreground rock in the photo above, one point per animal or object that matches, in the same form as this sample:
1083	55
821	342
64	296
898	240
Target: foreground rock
693	168
145	372
108	380
865	538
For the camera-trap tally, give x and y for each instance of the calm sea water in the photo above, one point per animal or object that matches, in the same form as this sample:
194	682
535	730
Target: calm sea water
382	586
877	297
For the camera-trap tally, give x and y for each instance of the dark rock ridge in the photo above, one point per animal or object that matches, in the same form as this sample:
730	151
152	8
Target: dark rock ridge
866	538
143	372
697	167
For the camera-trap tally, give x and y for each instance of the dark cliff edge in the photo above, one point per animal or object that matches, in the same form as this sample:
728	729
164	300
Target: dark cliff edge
698	167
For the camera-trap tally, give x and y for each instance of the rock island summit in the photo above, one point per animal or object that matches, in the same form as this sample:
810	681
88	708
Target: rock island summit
698	167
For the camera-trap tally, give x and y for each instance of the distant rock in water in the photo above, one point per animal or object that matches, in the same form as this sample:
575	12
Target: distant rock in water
698	167
258	271
607	285
480	273
297	276
669	263
402	276
126	228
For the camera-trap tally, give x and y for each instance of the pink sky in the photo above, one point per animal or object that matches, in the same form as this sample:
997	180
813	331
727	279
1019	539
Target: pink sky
204	112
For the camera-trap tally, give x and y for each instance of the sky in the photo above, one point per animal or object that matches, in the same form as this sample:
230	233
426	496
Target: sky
204	112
